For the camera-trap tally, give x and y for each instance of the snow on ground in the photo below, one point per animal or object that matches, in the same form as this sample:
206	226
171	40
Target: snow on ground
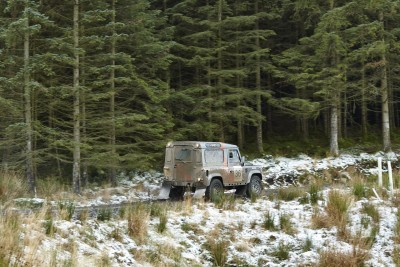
192	227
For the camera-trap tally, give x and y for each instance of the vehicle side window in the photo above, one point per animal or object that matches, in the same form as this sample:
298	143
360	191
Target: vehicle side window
168	155
234	156
198	156
214	156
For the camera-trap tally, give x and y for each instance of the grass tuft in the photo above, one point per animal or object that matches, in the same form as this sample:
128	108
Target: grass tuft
12	185
268	223
338	206
138	218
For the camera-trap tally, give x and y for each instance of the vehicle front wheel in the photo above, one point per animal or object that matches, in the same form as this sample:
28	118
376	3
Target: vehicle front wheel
215	190
254	188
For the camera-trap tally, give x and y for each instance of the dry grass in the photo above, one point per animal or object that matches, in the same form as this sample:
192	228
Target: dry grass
219	250
20	238
290	193
396	230
285	224
52	187
320	220
138	218
12	185
338	206
10	229
334	258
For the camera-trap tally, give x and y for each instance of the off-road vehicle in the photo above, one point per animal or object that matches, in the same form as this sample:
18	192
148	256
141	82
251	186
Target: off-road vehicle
207	168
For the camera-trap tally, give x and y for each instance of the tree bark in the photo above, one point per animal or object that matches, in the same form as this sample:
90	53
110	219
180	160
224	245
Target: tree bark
364	112
260	144
334	146
28	110
385	97
112	170
76	171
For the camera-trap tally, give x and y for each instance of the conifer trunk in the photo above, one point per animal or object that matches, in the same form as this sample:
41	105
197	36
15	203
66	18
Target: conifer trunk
334	147
219	58
364	112
76	171
385	97
258	89
28	111
112	171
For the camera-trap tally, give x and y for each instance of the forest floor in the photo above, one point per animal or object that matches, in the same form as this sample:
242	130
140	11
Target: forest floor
316	212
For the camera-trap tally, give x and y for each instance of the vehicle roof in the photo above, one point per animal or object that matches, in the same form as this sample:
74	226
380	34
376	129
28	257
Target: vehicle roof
201	144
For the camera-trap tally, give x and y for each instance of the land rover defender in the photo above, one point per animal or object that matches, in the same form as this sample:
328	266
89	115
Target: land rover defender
207	168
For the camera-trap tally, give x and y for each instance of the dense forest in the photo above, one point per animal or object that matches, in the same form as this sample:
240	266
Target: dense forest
90	88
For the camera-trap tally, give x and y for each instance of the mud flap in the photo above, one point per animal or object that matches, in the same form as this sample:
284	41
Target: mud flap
165	190
199	193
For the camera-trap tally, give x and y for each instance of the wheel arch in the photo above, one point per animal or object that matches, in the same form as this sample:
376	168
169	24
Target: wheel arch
218	178
254	173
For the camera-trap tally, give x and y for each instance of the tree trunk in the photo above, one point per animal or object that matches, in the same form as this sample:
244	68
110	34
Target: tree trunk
334	146
385	98
112	170
364	112
28	112
260	144
219	79
76	171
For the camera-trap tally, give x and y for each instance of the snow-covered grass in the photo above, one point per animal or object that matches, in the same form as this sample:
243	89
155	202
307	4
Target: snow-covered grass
333	219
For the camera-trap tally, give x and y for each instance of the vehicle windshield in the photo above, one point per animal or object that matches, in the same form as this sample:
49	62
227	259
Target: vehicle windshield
183	155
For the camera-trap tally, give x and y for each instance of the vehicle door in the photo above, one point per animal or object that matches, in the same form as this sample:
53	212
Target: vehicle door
183	167
234	166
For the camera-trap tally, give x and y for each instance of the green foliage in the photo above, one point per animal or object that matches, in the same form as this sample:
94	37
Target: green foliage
268	222
154	71
162	225
66	209
104	214
282	251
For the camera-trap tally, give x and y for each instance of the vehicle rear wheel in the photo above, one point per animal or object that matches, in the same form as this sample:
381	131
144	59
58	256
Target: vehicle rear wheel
215	190
254	188
177	193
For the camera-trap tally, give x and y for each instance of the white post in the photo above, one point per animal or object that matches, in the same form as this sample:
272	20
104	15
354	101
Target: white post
380	172
390	178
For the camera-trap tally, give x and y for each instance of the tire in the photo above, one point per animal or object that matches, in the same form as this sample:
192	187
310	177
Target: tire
215	190
177	193
255	187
